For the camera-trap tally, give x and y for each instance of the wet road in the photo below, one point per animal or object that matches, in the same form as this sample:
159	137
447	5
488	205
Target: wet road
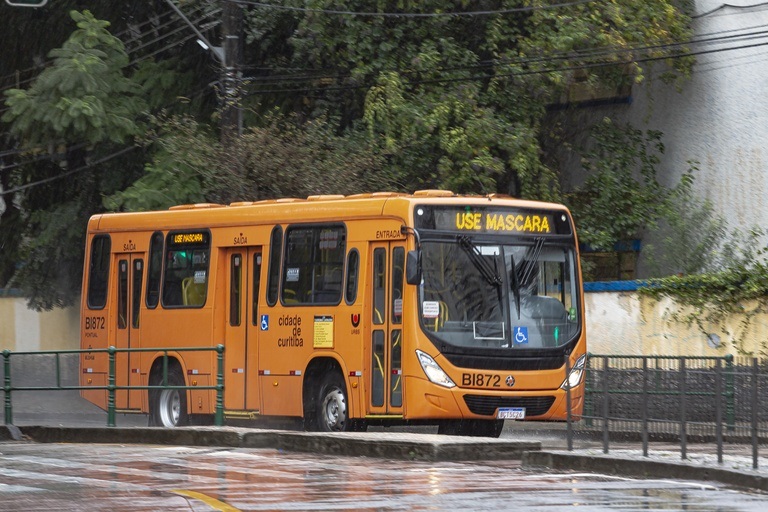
121	478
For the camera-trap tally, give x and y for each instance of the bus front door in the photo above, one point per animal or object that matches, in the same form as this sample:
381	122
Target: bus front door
385	364
126	321
241	390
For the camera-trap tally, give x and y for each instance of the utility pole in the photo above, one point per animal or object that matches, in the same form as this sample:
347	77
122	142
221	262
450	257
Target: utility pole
229	55
232	45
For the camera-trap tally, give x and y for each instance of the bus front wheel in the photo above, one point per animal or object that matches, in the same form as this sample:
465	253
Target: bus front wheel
331	411
168	407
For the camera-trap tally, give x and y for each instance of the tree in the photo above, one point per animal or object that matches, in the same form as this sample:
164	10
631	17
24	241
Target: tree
402	95
82	99
284	158
459	100
621	195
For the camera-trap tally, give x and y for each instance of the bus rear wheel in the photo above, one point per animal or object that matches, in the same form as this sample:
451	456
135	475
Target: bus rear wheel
473	428
168	407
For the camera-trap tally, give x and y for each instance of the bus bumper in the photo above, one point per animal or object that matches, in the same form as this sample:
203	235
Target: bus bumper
436	402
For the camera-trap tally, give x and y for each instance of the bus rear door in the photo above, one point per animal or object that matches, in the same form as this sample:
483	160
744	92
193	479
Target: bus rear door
241	391
126	320
385	364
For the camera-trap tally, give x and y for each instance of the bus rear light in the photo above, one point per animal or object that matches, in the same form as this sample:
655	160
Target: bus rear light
356	373
238	370
397	371
87	370
294	372
193	371
264	372
135	370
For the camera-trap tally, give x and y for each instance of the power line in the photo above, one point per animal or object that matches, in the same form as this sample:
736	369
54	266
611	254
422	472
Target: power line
724	6
592	65
451	14
702	39
68	173
143	57
50	156
134	37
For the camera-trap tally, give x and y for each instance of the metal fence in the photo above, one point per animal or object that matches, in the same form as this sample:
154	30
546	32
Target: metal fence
60	378
706	399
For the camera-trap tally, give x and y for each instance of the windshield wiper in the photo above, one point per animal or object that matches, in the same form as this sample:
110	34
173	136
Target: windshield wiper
532	259
489	274
515	284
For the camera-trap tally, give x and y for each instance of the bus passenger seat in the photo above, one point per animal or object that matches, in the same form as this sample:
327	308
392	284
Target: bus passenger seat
330	287
442	316
192	293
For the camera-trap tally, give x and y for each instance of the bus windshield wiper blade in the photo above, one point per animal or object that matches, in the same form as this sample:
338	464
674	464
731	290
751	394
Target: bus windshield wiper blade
482	266
532	258
515	283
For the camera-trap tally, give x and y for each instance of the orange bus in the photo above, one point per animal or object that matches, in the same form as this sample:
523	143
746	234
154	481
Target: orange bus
386	308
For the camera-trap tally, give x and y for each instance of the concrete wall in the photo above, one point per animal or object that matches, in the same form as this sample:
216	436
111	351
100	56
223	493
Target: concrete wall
627	323
617	323
22	329
718	116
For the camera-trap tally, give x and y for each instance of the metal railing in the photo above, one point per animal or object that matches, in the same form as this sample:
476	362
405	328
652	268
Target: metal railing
710	399
111	388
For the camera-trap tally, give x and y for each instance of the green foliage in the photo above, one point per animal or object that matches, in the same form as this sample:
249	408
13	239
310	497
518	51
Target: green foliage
182	154
334	103
289	158
742	277
691	237
621	195
282	159
58	240
458	101
83	96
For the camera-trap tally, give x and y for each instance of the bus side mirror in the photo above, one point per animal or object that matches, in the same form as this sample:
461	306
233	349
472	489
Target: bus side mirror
413	268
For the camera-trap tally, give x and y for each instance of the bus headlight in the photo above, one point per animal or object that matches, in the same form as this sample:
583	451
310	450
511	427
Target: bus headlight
433	371
576	374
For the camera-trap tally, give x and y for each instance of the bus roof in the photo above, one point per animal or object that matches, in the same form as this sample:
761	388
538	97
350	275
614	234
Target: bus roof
313	208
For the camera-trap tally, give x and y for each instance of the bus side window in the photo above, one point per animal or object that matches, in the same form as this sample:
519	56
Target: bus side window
353	269
154	272
138	273
255	288
185	277
273	279
314	259
98	274
379	285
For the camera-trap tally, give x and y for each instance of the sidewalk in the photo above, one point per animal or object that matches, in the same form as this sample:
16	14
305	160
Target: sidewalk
64	417
625	456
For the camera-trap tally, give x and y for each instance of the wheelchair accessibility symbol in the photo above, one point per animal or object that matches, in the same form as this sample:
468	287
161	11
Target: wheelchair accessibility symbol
521	335
264	322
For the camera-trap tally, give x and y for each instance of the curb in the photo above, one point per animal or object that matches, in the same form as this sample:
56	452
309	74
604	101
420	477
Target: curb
391	445
641	468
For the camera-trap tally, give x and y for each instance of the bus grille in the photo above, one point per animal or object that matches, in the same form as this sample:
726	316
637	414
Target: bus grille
487	405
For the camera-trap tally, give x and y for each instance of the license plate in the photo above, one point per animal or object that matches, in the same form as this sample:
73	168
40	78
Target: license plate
511	413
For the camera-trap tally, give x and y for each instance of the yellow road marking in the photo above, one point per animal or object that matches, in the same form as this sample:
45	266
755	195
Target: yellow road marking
212	502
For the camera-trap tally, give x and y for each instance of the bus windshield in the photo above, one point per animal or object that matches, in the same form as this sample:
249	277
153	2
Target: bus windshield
499	295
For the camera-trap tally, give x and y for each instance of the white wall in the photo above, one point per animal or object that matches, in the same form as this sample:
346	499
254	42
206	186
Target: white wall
627	323
23	329
720	116
622	323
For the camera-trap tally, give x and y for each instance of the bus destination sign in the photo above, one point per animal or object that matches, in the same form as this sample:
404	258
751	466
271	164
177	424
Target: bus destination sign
492	220
189	238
